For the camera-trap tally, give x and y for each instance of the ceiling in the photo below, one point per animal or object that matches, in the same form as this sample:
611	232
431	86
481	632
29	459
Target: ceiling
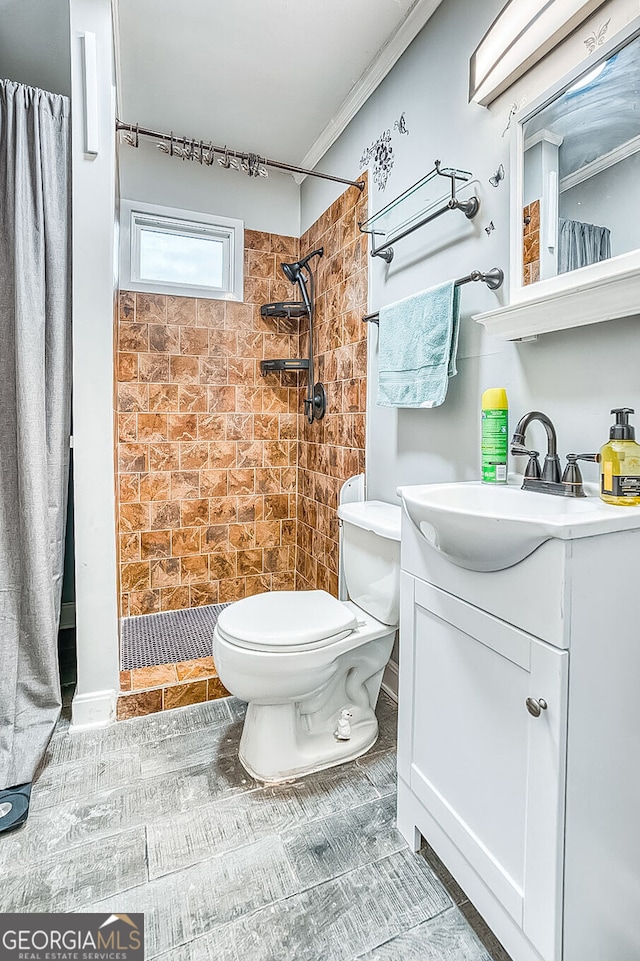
280	78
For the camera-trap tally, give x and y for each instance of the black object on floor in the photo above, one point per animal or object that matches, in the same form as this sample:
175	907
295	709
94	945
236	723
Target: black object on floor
168	637
14	806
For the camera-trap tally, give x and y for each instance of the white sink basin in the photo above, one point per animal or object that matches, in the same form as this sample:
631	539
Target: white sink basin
487	528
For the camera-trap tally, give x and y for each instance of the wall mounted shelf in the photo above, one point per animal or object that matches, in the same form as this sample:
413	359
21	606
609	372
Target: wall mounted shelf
291	309
284	363
417	206
590	302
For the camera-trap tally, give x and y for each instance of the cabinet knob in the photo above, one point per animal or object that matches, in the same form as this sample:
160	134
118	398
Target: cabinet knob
536	707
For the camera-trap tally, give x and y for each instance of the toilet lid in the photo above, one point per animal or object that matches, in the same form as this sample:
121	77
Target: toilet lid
286	620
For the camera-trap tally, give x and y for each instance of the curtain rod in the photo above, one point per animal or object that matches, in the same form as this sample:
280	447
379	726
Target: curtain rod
205	151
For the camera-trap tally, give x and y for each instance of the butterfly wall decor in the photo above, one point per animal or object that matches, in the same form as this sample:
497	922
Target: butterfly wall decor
489	228
497	177
596	39
400	125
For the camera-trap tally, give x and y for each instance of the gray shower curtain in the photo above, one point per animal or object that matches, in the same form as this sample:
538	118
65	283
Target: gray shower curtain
35	392
581	244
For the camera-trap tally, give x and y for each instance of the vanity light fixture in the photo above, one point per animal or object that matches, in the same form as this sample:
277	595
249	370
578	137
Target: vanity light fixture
521	35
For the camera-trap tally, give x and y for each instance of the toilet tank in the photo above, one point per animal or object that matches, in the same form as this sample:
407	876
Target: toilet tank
371	557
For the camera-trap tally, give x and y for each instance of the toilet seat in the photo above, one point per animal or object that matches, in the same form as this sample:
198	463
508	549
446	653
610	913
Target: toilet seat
286	621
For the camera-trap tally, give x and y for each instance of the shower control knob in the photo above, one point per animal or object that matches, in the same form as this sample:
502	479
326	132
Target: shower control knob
536	707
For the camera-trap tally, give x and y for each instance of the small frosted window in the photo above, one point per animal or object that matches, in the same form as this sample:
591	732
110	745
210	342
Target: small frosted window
177	259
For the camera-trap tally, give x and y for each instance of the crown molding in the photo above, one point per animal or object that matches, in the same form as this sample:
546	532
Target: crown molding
385	59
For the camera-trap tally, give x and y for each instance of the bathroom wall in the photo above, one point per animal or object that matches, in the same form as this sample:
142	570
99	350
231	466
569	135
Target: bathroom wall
604	200
331	450
271	204
206	459
34	44
94	304
575	376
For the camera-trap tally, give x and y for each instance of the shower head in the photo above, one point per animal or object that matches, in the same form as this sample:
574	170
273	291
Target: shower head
292	271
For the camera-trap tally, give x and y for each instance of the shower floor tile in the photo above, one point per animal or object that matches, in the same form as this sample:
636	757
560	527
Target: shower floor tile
173	636
156	814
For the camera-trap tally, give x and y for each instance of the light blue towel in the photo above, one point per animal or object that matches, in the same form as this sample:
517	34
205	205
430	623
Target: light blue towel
417	348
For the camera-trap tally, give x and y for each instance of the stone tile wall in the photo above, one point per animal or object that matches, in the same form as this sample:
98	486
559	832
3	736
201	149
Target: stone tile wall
224	489
331	450
531	243
206	446
146	690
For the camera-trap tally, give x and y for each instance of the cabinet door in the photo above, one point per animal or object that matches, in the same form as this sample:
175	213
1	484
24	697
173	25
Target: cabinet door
490	773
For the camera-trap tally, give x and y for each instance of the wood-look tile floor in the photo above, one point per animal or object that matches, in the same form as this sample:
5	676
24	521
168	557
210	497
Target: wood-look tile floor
156	814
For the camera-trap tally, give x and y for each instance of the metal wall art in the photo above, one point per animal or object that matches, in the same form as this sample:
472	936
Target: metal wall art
596	38
497	177
513	109
400	125
381	153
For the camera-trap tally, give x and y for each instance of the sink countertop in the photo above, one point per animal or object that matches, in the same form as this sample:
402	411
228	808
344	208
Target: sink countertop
488	527
570	517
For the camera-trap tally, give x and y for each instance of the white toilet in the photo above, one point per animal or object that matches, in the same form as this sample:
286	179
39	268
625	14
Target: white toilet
310	666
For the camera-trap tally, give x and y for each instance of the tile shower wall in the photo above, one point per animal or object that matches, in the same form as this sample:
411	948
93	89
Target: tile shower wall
206	446
531	243
147	690
331	450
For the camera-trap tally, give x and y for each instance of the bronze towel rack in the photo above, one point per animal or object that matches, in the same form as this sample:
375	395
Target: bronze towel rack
492	278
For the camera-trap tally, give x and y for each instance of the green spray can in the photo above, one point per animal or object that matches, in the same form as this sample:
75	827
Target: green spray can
495	435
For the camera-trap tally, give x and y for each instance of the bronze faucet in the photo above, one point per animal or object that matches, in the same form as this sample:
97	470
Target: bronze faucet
548	480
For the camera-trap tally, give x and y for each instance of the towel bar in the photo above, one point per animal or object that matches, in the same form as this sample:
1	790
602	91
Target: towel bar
492	278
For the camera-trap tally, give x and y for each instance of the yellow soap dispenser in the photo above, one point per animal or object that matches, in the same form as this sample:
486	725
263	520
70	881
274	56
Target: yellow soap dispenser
620	463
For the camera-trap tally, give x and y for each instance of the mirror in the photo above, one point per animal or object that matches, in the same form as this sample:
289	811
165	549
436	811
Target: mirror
581	170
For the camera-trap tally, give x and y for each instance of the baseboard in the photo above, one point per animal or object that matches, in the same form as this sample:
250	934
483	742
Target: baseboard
97	709
390	680
67	616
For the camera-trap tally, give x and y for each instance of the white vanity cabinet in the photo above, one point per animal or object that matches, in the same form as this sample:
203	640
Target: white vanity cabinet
519	740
